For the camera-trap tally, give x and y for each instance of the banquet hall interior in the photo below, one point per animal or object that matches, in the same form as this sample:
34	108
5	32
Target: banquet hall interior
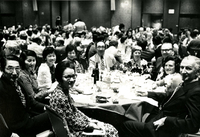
174	14
90	65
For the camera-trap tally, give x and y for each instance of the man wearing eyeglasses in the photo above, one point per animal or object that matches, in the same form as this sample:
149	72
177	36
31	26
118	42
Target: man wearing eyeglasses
178	111
167	49
15	105
98	57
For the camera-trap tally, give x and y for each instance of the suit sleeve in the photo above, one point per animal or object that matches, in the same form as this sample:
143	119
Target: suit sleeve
191	123
157	96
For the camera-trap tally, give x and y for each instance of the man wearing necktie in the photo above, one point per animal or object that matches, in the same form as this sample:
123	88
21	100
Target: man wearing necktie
178	112
17	109
98	57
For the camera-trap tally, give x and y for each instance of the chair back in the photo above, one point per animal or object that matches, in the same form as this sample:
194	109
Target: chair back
4	131
59	125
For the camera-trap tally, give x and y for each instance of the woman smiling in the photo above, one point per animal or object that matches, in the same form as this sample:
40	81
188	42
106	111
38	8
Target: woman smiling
170	76
28	72
46	73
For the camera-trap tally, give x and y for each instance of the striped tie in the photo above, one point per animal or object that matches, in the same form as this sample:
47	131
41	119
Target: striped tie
102	66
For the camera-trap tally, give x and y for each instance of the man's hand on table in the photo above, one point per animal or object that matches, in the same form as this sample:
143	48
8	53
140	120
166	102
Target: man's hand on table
142	93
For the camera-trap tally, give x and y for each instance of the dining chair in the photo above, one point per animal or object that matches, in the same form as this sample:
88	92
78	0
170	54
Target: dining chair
4	131
59	125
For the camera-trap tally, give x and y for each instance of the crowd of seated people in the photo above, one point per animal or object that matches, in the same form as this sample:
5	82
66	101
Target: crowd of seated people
156	52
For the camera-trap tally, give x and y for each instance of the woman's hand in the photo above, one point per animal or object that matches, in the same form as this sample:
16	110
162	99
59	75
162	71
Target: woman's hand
94	125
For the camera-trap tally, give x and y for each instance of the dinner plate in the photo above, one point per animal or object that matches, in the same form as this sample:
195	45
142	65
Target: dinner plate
88	93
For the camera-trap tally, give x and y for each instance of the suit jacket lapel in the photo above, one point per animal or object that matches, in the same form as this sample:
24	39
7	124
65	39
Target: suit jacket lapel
183	90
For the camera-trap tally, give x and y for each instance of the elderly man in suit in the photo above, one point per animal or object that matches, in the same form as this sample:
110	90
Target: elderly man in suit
178	112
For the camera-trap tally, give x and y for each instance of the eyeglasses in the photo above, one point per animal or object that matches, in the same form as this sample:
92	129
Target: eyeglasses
68	77
166	50
11	69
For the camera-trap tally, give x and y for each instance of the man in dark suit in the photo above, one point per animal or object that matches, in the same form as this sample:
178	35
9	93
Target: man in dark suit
15	106
178	112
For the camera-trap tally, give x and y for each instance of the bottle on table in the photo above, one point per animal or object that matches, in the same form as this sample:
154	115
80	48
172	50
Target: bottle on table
95	73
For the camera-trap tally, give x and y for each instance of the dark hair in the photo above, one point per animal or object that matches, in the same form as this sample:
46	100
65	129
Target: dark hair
121	26
37	40
9	57
177	61
194	48
123	39
24	56
69	48
113	43
60	67
47	51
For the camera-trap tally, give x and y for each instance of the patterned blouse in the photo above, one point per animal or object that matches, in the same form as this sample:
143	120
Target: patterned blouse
77	121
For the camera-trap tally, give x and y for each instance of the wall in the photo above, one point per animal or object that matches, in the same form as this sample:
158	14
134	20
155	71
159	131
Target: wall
171	20
136	13
29	16
190	7
93	13
55	11
189	14
7	13
98	12
122	13
65	10
152	6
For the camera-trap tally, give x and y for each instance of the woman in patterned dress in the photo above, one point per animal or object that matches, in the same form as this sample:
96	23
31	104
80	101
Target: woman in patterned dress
62	103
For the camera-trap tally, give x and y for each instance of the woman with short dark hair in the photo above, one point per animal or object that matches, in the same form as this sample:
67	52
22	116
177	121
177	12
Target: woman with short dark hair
46	72
62	102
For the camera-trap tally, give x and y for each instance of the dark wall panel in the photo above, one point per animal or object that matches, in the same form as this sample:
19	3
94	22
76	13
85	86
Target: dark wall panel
19	12
136	13
190	7
29	16
122	14
7	6
56	11
152	6
44	12
192	23
171	20
65	12
8	20
93	13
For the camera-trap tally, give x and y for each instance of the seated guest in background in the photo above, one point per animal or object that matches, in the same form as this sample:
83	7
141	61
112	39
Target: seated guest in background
12	48
59	49
37	48
98	57
193	48
71	57
80	53
112	55
136	64
79	26
167	49
62	102
179	111
46	73
15	104
118	29
170	76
